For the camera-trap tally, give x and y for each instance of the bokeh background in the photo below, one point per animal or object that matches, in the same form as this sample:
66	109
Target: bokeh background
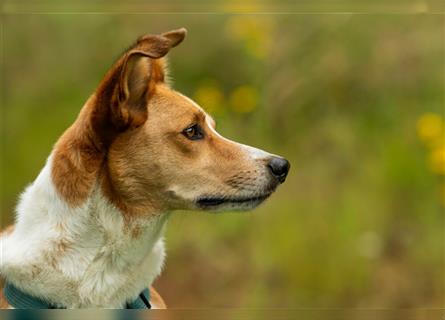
355	101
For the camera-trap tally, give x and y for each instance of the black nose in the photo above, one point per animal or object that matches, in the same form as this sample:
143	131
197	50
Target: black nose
279	167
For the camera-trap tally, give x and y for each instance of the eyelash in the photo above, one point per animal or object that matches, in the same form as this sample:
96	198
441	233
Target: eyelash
193	132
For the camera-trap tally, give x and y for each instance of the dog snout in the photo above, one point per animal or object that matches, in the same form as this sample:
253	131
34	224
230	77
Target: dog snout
279	167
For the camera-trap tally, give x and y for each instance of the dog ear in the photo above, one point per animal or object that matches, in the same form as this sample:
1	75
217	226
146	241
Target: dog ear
136	65
175	36
130	94
140	70
123	93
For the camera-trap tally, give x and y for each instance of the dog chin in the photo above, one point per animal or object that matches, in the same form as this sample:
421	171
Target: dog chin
225	203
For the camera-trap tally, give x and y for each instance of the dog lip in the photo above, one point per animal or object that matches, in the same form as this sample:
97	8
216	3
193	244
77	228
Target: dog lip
211	201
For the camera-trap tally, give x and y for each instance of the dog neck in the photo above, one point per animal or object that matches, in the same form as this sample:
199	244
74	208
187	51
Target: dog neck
83	256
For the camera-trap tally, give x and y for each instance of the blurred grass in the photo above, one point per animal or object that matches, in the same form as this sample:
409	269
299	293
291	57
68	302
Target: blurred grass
359	222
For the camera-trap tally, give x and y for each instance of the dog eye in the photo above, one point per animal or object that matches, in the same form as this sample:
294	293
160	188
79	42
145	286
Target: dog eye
193	132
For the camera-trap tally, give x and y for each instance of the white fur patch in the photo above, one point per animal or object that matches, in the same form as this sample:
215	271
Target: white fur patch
79	257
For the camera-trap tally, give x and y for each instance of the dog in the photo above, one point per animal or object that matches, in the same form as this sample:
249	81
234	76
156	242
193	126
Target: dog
89	229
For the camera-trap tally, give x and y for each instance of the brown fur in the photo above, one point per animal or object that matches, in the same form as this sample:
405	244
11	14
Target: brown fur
3	302
118	104
120	136
144	161
129	141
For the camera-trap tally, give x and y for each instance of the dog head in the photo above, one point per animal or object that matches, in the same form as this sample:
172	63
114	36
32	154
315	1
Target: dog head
152	149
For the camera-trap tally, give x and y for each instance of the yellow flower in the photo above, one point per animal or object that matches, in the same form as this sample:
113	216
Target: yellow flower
437	160
210	97
244	99
430	129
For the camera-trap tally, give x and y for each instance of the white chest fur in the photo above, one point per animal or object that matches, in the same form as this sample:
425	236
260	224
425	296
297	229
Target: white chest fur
80	257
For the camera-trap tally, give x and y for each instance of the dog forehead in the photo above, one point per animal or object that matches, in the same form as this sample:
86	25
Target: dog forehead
175	105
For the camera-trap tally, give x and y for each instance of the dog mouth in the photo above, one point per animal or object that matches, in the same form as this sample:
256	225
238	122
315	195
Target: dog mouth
210	202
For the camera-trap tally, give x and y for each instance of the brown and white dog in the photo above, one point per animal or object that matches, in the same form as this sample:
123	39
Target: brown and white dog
89	229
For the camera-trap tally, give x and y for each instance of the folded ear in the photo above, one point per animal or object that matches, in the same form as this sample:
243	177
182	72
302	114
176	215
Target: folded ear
133	77
175	36
132	89
120	102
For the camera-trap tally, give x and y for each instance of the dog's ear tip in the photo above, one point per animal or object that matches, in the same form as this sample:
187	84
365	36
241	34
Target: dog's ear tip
175	36
182	31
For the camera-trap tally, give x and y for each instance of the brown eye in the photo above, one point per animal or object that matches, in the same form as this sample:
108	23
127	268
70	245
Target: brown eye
193	132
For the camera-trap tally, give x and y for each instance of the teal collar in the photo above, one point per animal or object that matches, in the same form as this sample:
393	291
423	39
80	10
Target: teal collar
21	300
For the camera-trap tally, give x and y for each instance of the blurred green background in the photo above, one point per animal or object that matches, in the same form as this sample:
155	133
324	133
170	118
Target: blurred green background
355	102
